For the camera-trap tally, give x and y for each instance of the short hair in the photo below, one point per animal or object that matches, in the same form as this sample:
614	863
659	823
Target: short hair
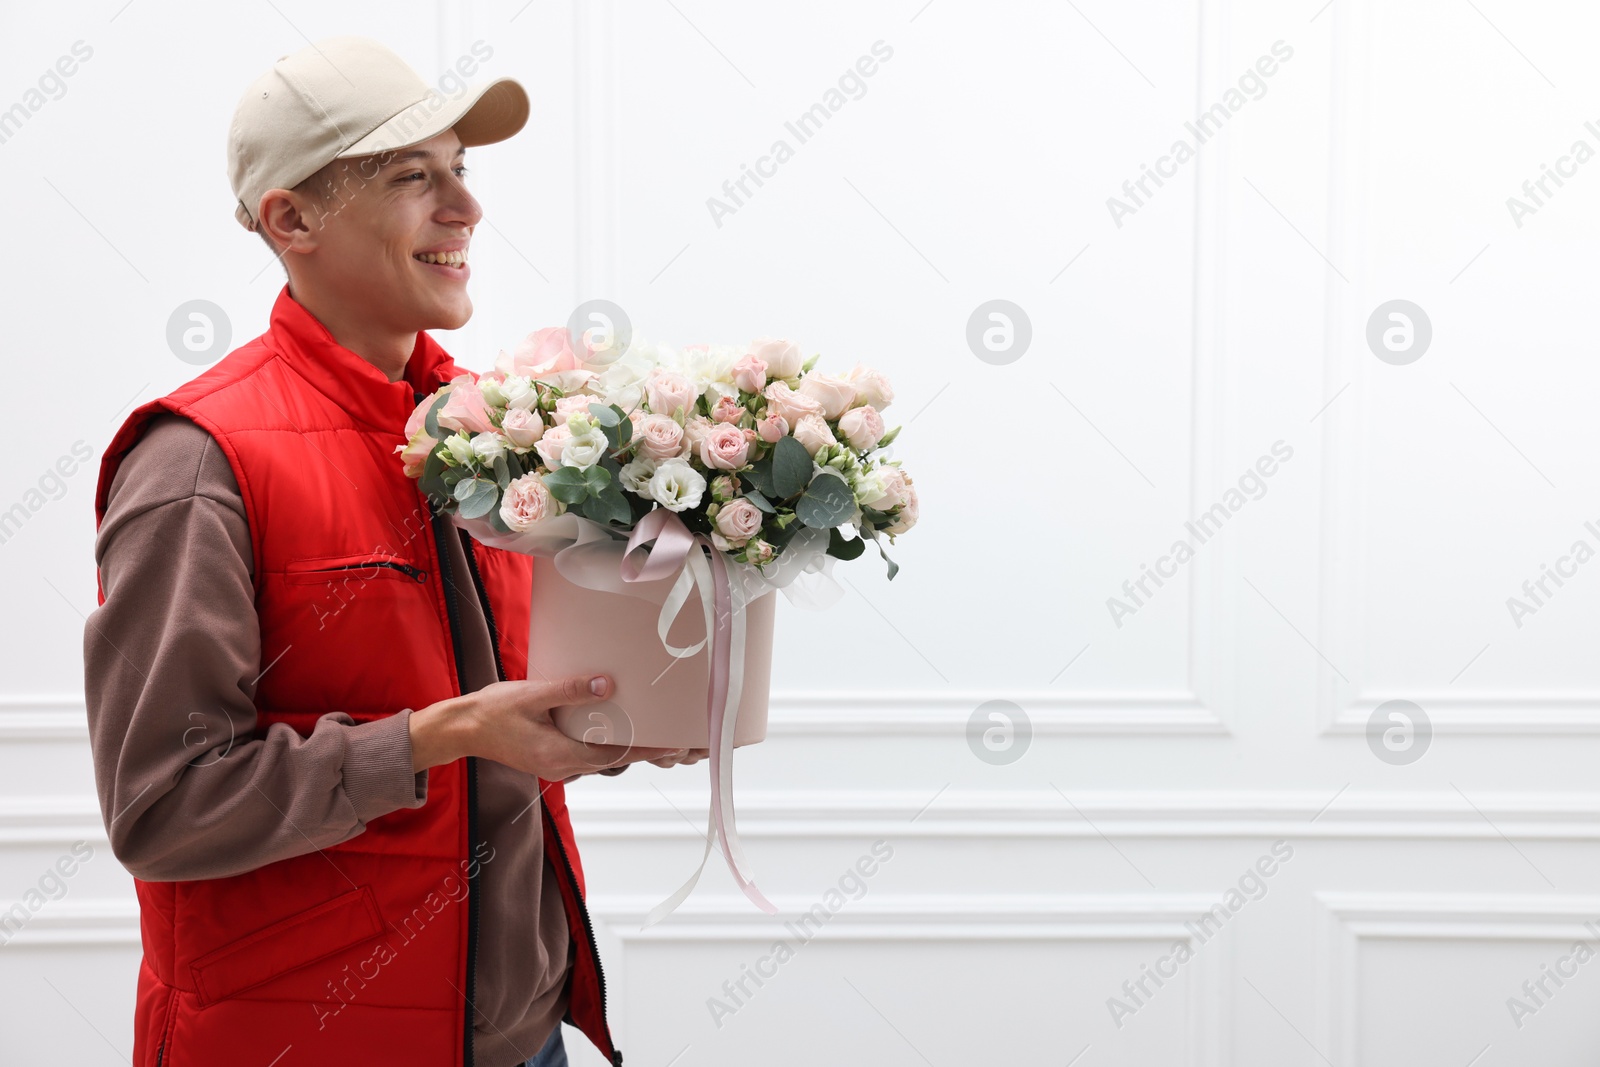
318	188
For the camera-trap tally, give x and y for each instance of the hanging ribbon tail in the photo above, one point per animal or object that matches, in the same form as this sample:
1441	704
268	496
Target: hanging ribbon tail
725	630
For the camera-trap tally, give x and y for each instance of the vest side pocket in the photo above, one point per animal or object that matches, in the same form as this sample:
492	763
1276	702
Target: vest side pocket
287	945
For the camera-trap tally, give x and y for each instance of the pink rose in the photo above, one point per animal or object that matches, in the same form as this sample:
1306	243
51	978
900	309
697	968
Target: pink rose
782	400
772	427
419	414
566	405
550	444
527	500
724	447
812	432
759	552
541	352
668	392
738	521
658	437
728	409
861	427
896	489
522	428
465	409
834	394
871	386
783	358
750	373
907	516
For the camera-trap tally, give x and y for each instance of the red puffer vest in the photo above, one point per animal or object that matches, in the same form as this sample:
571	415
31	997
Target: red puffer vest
362	952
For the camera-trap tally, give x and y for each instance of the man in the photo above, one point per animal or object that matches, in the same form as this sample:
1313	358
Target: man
314	744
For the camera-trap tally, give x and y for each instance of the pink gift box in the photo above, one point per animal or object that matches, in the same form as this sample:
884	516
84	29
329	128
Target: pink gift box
657	701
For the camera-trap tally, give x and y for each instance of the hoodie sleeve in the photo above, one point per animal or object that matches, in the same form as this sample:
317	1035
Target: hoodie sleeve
171	658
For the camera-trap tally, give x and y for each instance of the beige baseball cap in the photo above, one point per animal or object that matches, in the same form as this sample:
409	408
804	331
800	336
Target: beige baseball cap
350	96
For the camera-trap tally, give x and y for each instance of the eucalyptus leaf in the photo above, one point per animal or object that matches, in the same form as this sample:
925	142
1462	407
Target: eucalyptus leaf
840	547
826	503
566	484
791	467
502	471
760	501
609	505
760	475
481	500
596	478
430	421
604	414
464	488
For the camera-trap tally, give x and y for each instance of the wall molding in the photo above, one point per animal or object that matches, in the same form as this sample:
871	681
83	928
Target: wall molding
820	713
1349	918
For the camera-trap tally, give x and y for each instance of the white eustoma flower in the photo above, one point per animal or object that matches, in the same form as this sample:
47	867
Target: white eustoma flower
676	486
636	475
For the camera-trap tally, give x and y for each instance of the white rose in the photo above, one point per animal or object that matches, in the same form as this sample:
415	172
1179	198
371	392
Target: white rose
488	447
519	392
636	475
584	450
492	394
460	446
677	486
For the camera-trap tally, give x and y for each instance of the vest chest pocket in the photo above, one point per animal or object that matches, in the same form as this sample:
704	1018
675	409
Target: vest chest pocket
344	578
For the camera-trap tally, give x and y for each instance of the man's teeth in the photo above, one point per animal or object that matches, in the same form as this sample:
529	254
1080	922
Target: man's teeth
453	259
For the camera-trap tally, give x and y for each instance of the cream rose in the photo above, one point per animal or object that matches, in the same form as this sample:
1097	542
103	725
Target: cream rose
782	400
834	394
659	437
907	517
871	386
727	409
724	447
812	432
894	486
566	405
862	427
550	445
738	521
488	447
527	500
522	428
518	392
668	392
783	358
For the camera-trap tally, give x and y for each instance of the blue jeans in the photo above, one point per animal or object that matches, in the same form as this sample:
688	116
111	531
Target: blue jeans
554	1053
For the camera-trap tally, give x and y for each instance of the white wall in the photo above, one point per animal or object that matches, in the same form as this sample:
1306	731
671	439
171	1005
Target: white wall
1167	754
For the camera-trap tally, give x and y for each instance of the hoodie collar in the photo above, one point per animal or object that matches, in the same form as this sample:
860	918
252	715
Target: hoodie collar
341	375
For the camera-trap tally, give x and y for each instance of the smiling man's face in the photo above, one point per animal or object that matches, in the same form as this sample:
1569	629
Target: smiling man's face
388	243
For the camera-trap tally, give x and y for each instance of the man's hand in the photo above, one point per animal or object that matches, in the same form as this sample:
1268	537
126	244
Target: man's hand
682	755
509	722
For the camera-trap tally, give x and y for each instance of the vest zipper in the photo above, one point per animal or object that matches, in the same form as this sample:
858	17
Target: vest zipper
583	909
414	573
453	611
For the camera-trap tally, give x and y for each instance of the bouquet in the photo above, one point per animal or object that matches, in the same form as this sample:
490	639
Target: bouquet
747	446
732	470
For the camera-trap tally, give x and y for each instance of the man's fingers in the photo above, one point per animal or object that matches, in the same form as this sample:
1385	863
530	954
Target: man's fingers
577	689
596	755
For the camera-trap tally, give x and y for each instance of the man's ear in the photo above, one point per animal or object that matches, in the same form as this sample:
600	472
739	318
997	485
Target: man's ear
284	216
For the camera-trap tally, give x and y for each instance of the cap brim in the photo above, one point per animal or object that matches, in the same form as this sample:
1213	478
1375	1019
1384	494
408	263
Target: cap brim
489	113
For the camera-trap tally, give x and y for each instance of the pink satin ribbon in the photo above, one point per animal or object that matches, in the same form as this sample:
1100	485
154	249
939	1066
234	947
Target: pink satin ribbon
673	543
